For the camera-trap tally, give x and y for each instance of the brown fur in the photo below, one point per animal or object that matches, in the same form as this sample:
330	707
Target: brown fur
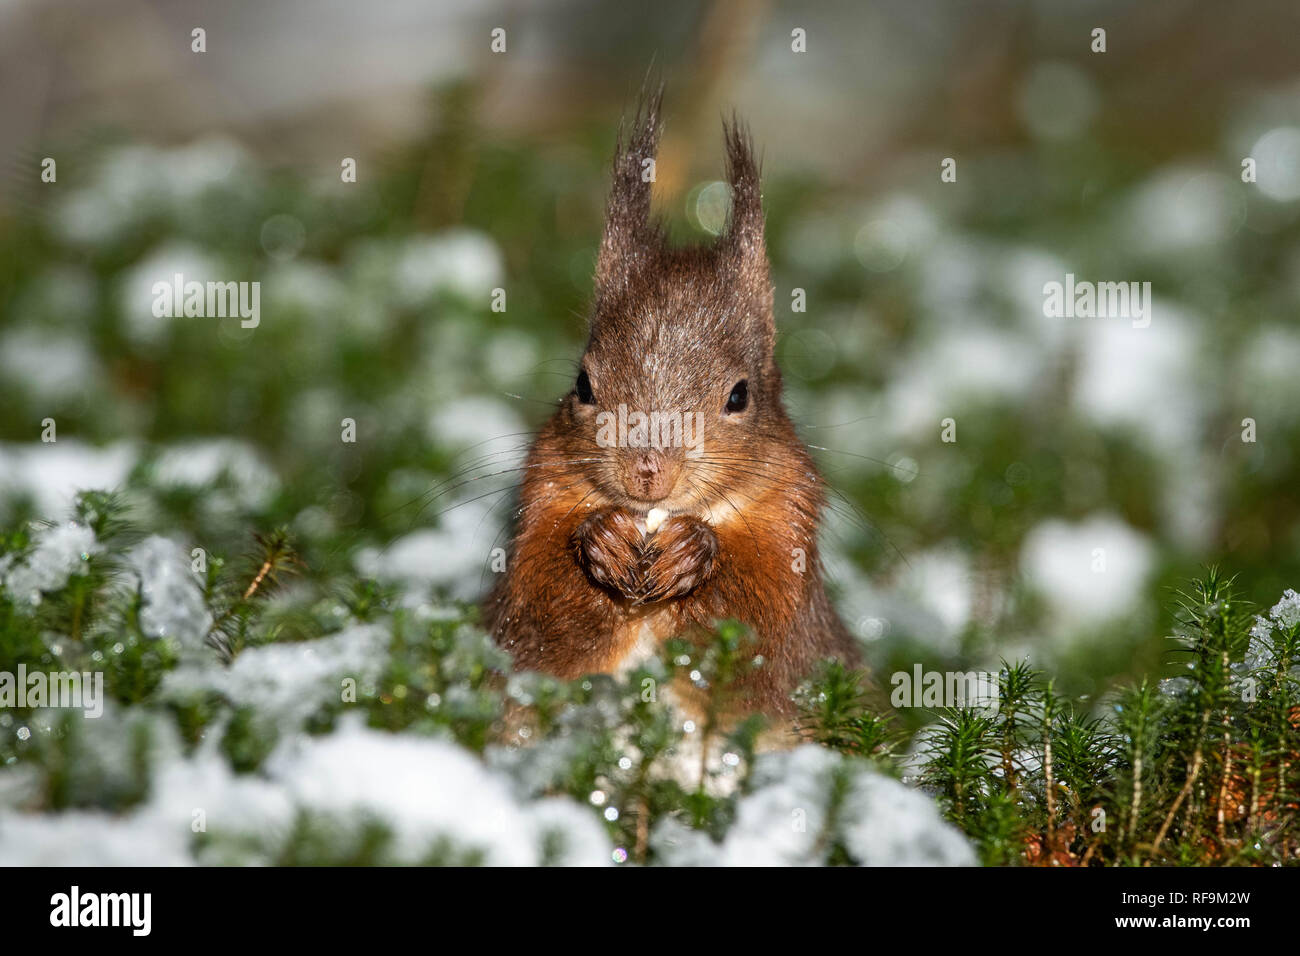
672	330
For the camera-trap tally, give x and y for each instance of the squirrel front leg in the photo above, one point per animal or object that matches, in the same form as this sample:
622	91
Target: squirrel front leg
645	568
547	611
677	558
608	547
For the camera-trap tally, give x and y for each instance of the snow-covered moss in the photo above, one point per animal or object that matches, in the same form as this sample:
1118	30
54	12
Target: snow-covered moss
432	800
172	603
56	554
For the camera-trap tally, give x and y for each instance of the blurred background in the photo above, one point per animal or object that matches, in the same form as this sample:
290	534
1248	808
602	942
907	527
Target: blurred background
479	170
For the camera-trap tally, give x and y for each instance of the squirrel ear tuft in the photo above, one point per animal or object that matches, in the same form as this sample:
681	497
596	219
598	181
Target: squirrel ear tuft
742	244
744	235
628	229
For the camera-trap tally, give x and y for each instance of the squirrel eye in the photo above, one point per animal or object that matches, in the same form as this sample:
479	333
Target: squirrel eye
739	398
583	388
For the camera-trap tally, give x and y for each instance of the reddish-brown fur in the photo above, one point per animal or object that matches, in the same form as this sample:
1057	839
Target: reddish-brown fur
672	330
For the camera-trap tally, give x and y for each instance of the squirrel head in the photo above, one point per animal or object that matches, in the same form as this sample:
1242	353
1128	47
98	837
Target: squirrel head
678	395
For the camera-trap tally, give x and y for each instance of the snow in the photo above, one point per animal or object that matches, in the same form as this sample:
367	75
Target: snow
81	838
469	508
52	473
136	292
1058	557
889	824
57	554
1286	612
424	790
199	464
1266	370
1137	377
942	583
539	765
412	272
453	559
1262	650
134	183
481	427
304	286
428	789
933	382
930	599
231	804
895	228
1022	272
1277	158
289	682
510	357
173	603
461	261
102	756
784	821
1191	507
48	365
1175	687
1182	208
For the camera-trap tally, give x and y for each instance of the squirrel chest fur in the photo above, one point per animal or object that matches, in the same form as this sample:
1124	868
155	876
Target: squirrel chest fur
669	490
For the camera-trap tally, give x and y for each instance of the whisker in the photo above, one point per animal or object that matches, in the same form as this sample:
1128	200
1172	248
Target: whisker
495	474
549	403
864	418
717	490
507	527
851	454
733	465
551	534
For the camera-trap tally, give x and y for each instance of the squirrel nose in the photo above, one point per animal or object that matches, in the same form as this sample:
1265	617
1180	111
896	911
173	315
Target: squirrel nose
650	476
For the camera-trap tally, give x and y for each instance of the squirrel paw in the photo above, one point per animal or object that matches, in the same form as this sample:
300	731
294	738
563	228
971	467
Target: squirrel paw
677	558
608	545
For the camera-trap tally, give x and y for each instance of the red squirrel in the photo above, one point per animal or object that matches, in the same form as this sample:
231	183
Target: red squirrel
624	539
